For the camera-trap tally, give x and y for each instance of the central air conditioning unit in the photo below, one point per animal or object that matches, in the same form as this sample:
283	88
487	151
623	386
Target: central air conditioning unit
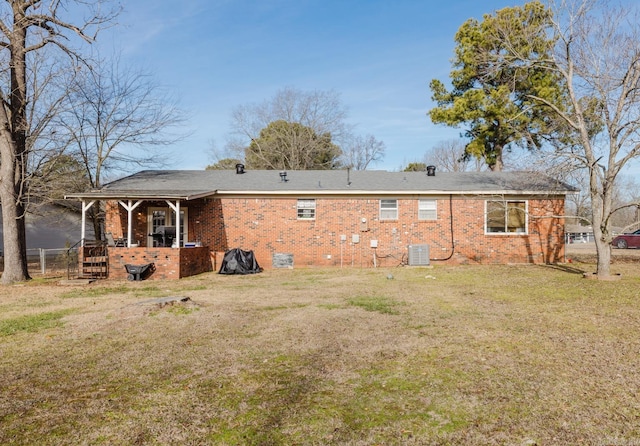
418	255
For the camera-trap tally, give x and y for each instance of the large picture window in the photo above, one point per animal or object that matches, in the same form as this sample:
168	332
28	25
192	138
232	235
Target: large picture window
506	217
306	209
388	209
427	209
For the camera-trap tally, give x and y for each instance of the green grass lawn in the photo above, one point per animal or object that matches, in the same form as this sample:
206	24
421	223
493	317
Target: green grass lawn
468	355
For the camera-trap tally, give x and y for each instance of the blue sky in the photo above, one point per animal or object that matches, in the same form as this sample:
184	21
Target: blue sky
214	55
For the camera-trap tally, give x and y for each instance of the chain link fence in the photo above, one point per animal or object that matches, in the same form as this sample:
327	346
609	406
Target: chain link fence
47	261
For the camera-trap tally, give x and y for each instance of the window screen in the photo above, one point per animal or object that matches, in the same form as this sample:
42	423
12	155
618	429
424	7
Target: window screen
388	209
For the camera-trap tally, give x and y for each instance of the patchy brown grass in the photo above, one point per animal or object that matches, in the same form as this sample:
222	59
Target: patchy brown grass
451	355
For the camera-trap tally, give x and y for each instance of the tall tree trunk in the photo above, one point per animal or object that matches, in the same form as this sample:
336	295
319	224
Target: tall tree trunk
495	162
47	29
600	210
13	151
603	250
498	166
95	215
14	235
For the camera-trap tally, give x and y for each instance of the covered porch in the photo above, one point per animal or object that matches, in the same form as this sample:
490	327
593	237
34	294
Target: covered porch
142	228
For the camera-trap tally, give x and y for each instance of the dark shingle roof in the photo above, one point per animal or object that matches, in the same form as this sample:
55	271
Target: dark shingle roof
190	184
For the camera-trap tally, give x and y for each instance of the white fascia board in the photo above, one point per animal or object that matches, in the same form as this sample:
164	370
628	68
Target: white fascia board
137	196
383	192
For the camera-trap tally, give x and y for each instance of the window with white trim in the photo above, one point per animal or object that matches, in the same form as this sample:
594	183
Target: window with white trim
427	209
307	209
506	217
388	209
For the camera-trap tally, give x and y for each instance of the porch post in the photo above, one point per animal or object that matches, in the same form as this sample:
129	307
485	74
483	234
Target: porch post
129	207
176	209
85	208
177	223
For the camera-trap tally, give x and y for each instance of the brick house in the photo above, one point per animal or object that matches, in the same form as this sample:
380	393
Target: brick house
336	218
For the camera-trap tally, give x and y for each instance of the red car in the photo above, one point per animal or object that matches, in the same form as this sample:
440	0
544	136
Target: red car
631	240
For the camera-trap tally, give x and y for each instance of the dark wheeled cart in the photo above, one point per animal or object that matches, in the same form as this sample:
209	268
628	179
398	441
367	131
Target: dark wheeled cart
139	272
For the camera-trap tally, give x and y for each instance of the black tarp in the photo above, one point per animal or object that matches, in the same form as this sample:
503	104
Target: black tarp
237	261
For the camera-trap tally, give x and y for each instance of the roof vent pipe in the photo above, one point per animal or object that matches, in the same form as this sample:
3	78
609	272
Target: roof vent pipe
431	171
239	168
283	176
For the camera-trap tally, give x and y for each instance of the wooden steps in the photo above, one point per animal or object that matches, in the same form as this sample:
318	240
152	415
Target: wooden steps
95	263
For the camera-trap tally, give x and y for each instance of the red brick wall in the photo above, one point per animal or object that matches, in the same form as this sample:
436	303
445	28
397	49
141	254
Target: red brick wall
270	225
194	261
169	263
116	221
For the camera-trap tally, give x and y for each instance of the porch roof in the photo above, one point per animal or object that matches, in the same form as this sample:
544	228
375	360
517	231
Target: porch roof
192	184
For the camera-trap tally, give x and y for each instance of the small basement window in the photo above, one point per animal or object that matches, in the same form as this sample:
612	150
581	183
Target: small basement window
427	209
306	209
506	217
388	209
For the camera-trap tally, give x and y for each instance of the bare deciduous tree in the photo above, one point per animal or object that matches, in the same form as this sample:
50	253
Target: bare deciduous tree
49	172
118	118
450	156
361	151
321	111
115	119
26	28
597	54
626	200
